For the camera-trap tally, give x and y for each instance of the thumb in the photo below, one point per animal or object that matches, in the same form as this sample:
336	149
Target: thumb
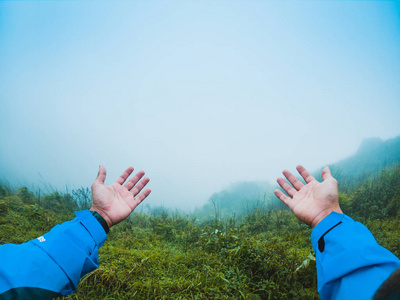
326	173
101	176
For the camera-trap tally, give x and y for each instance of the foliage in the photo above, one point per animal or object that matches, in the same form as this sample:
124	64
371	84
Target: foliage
82	197
164	255
240	198
265	254
378	198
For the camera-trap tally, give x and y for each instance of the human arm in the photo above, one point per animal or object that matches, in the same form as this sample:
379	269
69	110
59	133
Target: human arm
350	263
53	263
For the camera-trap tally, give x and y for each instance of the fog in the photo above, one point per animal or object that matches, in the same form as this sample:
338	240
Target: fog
198	94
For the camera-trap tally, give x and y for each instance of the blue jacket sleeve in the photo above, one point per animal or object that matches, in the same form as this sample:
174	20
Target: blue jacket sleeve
350	263
55	261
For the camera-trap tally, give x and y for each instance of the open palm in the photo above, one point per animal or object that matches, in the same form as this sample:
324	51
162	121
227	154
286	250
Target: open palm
117	201
313	201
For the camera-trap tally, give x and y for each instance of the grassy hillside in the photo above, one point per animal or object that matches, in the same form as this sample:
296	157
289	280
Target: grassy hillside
265	255
372	156
174	257
241	198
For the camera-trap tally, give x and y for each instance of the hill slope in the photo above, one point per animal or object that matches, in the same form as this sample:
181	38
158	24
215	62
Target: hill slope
372	156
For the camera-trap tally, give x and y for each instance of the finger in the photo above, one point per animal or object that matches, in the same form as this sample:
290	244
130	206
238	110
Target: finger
286	187
305	174
101	175
121	179
285	199
136	190
326	173
141	197
293	180
131	183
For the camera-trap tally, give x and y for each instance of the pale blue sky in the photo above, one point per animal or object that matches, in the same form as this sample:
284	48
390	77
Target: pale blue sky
199	94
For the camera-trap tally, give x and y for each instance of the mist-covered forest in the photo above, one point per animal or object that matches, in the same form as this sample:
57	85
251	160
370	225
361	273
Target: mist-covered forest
240	245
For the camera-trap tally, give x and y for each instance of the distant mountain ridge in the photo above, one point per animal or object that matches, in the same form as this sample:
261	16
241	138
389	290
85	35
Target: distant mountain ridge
372	156
240	197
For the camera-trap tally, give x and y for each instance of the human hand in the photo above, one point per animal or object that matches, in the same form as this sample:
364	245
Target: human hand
311	202
116	201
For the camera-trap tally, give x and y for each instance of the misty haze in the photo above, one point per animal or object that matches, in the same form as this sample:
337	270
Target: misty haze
213	100
199	98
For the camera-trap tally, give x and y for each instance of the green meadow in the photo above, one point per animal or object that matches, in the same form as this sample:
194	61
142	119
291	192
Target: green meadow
163	254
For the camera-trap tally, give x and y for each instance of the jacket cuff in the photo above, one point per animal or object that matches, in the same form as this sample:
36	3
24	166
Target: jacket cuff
330	221
93	226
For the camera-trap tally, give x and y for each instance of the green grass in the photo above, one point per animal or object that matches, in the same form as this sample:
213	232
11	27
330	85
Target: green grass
265	255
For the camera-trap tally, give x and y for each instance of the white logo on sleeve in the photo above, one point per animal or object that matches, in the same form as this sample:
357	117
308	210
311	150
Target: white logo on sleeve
41	239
